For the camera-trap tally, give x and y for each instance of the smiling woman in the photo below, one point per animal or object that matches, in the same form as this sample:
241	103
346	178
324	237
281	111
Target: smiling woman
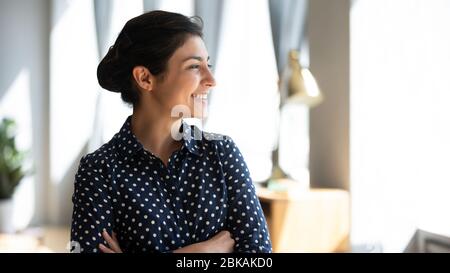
160	185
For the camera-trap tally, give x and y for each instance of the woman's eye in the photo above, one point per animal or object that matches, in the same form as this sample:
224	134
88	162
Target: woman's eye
196	66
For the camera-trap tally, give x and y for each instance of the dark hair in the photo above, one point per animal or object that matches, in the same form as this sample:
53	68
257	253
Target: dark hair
148	40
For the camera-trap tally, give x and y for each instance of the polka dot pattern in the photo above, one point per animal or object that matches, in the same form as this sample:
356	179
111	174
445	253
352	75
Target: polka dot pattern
205	188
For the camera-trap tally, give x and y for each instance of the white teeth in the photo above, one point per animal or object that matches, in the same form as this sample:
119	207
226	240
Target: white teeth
203	97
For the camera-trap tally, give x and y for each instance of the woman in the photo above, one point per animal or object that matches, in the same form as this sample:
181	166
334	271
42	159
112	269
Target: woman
160	185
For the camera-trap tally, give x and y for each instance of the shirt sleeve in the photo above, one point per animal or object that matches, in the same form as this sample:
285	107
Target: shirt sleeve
246	220
92	209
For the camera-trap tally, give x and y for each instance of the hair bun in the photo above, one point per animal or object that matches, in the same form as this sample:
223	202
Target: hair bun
113	71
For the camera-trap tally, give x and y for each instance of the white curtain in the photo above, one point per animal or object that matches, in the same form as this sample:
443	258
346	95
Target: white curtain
400	116
73	64
111	112
244	103
185	7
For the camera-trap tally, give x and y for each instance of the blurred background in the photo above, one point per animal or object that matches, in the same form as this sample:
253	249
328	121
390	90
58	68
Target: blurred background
340	108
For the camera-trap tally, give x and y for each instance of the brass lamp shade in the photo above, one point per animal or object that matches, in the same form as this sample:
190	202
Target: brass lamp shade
298	85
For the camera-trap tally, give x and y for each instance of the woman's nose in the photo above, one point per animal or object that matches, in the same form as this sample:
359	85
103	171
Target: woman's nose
210	81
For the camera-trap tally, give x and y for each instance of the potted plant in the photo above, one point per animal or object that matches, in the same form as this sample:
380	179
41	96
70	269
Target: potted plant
11	172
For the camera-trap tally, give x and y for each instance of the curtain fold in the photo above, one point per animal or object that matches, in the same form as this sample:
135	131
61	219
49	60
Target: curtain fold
288	21
103	13
151	5
211	13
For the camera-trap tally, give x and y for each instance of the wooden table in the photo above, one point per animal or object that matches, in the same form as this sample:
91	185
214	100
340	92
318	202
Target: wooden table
312	220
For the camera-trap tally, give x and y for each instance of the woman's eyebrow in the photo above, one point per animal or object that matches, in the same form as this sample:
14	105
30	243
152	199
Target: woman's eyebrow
195	58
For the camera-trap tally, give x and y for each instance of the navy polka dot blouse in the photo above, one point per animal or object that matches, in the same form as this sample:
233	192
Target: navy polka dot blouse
204	189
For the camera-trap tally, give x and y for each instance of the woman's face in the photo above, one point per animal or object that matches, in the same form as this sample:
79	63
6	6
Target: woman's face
187	81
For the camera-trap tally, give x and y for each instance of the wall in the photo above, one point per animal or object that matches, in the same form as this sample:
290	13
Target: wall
329	42
24	66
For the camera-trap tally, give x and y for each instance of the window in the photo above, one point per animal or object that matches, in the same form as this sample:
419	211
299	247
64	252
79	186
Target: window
400	117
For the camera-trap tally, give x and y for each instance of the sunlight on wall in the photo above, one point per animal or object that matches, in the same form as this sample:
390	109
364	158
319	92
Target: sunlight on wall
18	97
400	51
244	104
73	83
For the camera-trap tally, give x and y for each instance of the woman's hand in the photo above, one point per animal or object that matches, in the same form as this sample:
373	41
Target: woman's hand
113	243
220	243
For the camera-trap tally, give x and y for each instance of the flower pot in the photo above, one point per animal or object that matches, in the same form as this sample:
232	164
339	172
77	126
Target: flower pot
6	216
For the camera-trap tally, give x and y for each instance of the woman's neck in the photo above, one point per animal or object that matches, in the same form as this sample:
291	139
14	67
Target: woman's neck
154	132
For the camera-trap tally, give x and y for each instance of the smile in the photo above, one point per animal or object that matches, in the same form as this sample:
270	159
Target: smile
200	96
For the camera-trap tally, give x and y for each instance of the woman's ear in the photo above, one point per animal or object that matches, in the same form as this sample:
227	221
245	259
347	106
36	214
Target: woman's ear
143	78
